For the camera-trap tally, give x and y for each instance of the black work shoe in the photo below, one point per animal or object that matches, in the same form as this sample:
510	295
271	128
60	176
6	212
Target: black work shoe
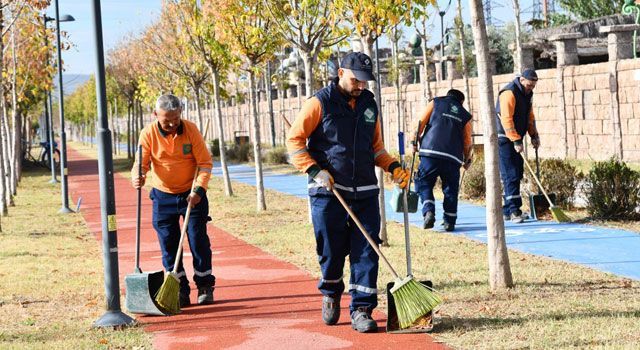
517	217
362	322
184	299
506	217
205	296
330	309
429	220
449	226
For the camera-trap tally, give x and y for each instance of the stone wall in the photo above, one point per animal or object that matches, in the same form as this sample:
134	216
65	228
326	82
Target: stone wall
585	130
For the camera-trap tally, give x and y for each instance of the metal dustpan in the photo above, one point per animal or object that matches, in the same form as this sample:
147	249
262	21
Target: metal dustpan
141	287
538	204
392	315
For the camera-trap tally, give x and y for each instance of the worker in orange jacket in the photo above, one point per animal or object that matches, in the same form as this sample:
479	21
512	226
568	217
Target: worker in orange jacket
336	139
514	119
172	149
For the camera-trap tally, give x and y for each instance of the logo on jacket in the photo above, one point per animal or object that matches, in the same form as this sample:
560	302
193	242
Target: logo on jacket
369	116
186	148
455	109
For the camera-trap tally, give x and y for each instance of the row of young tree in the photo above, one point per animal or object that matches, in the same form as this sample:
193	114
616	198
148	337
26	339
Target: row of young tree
25	77
198	48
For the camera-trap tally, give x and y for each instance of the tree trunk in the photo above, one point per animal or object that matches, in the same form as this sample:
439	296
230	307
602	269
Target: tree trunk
272	122
228	191
396	82
373	85
308	62
16	119
6	156
518	63
3	110
499	267
463	58
196	91
425	62
261	204
129	130
298	83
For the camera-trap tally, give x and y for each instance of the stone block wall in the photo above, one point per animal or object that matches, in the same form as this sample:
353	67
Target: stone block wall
587	117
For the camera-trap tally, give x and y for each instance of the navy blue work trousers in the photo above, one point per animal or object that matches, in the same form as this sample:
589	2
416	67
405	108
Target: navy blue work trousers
511	172
167	210
449	172
337	237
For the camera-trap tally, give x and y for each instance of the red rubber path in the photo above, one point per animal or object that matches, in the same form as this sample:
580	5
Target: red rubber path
261	301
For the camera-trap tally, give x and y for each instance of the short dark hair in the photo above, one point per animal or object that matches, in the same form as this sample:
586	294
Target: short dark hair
457	94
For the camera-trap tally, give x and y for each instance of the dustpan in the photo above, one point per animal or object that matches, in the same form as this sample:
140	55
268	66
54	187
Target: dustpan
141	287
392	315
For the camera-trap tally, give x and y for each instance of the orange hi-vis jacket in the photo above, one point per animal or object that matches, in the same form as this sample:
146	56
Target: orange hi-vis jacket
173	159
507	111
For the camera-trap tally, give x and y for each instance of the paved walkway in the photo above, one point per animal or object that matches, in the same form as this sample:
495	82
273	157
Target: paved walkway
261	302
605	249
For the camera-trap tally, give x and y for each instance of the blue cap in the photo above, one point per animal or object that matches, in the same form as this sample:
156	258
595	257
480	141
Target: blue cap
360	64
530	74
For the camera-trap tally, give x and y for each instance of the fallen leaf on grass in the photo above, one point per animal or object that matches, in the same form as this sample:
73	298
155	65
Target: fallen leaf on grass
103	341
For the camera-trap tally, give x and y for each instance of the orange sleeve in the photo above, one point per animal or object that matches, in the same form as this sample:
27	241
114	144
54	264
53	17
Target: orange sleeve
303	126
532	129
382	158
466	140
146	154
424	117
203	159
507	108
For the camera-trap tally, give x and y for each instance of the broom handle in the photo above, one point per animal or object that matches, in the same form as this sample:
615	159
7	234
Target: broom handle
537	180
537	167
138	212
405	204
364	232
183	230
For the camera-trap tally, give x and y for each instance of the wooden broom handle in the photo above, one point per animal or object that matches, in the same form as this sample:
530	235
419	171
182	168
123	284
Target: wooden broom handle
537	180
183	230
373	244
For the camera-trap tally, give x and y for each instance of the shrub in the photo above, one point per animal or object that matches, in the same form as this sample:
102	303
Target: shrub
557	176
214	147
277	155
474	185
612	190
240	153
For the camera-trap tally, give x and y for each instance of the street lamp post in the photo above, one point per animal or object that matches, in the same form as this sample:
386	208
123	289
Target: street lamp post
48	111
442	62
113	317
63	135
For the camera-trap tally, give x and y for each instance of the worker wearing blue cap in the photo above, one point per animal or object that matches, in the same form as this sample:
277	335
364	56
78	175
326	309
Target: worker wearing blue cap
337	140
515	118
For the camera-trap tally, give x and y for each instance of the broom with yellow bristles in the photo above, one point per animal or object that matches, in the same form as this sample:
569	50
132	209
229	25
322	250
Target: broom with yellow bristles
168	296
413	299
556	212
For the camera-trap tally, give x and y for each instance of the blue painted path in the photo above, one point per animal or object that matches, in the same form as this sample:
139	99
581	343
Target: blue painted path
606	249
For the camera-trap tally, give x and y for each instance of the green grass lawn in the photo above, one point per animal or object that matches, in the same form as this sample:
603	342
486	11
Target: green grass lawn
51	286
555	305
53	290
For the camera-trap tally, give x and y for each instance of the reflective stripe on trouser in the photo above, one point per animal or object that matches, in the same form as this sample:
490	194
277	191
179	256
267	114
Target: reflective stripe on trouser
167	209
511	171
449	172
338	236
